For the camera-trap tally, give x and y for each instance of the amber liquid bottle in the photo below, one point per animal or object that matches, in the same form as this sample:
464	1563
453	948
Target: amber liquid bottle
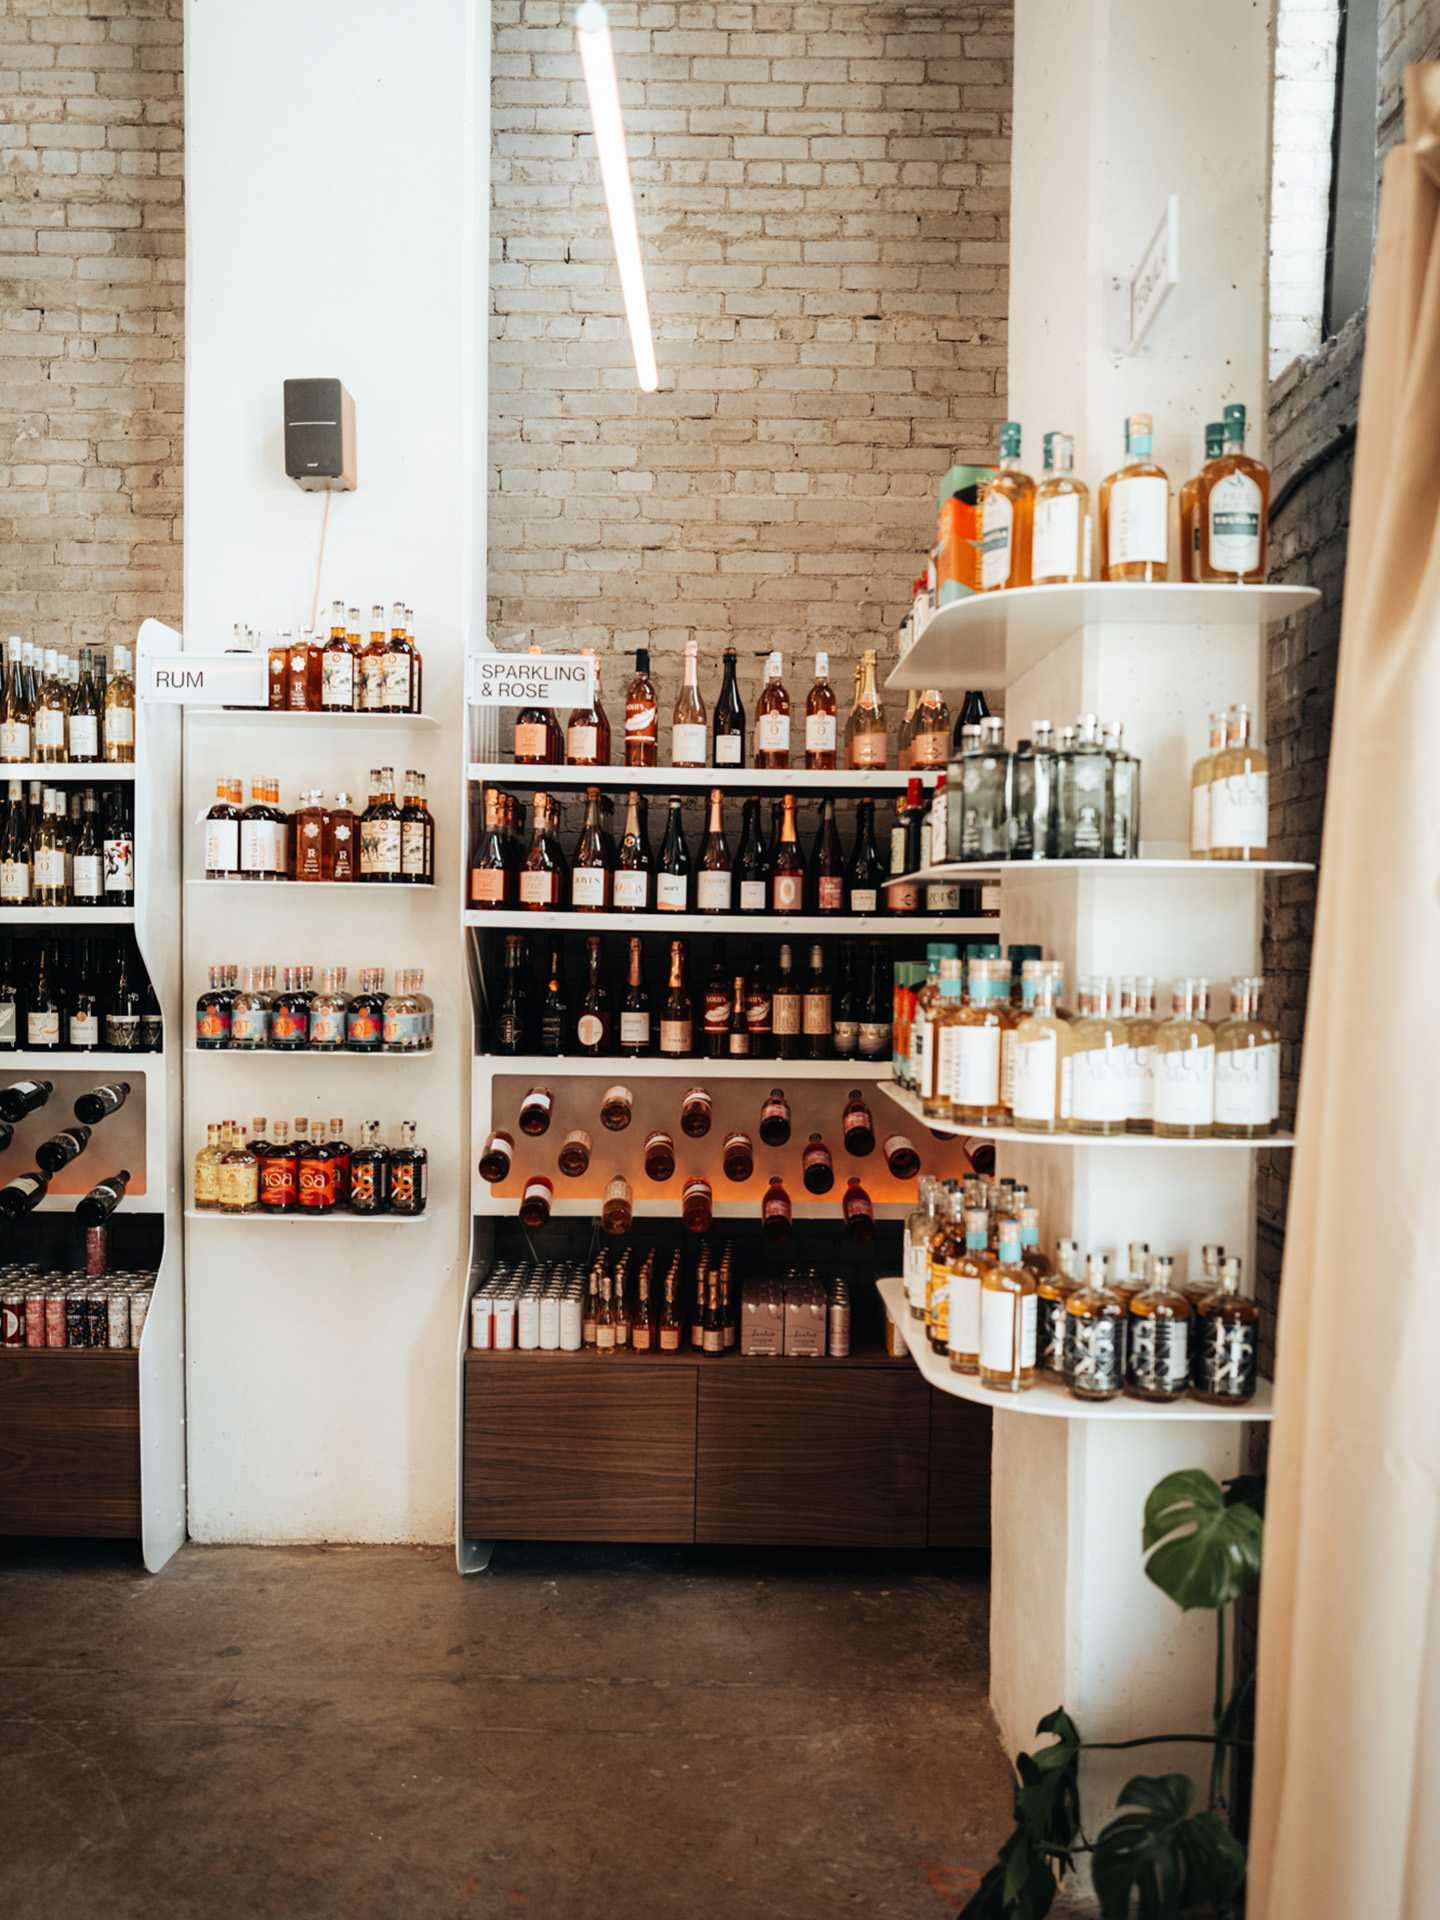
772	718
590	876
677	1014
538	739
820	718
642	715
587	732
1135	511
787	868
865	729
541	875
490	884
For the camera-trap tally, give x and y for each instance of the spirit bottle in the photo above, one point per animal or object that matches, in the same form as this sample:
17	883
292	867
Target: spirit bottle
119	720
1200	790
728	722
1189	494
339	665
1141	1027
309	836
865	729
787	867
677	1014
401	664
1207	1281
1227	1342
1124	778
1041	1073
1083	795
980	1030
642	715
327	1015
1232	510
984	796
1099	1063
1052	1290
1135	511
1061	550
920	1224
1157	1365
1185	1069
1007	1318
941	1036
947	1242
409	1173
381	827
1239	794
417	833
631	883
491	887
590	868
1007	518
929	743
1247	1067
713	876
1032	796
587	731
238	1178
970	1261
820	718
1095	1336
222	832
772	718
687	722
370	1168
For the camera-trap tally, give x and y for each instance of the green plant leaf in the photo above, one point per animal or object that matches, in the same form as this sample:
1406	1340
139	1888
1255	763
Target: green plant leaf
1047	1800
1020	1885
1206	1553
1214	1860
1164	1858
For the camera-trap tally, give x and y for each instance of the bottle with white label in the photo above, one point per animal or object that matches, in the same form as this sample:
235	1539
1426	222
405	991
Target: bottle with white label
1135	511
381	856
920	1225
1061	550
50	726
1232	510
262	833
1007	1318
713	874
1200	790
970	1261
17	706
1040	1069
87	864
1099	1063
118	734
590	875
977	1094
672	867
941	1042
687	722
820	722
1247	1067
1239	794
631	885
1185	1068
1137	1011
1157	1337
1007	518
772	718
727	725
222	831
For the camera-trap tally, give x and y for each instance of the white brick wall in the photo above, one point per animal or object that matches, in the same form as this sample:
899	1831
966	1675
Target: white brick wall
823	194
1306	35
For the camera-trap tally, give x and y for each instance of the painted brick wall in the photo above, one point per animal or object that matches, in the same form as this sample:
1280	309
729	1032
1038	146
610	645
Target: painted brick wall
91	316
823	194
1306	33
1409	30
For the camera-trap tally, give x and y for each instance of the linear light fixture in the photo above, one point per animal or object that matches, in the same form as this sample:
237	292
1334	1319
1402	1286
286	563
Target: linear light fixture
597	57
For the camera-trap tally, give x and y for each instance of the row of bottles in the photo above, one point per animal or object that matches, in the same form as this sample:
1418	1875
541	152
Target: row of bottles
316	1172
23	1097
61	709
85	995
23	1192
391	840
840	1009
996	1307
91	1310
342	671
284	1011
67	849
696	1202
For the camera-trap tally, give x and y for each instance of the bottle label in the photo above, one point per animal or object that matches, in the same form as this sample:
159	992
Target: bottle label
789	892
977	1067
238	1186
1033	1079
917	1270
42	1028
337	682
49	728
262	847
815	1012
530	739
120	866
847	1038
7	1023
539	887
922	1056
222	846
1139	520
487	886
634	1029
412	847
1159	1352
687	744
670	892
122	1031
1235	524
15	880
930	749
1089	801
119	726
753	896
875	1037
962	1301
316	1186
641	725
1007	1331
212	1026
15	740
727	749
947	1049
587	886
772	733
327	1028
396	680
864	900
1100	1083
582	745
785	1012
589	1030
1200	818
1228	1357
249	1027
632	889
1185	1087
867	749
712	892
84	736
757	1012
1057	537
997	527
676	1036
380	851
1246	1085
944	898
1240	811
49	869
1141	1099
819	733
362	1030
831	893
1095	1352
84	1030
290	1026
716	1017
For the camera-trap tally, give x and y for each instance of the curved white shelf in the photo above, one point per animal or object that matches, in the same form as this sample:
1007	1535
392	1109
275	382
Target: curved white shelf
1037	869
1147	1142
732	779
777	926
1044	1398
313	1056
991	639
67	916
68	1060
336	1219
616	1067
345	722
96	770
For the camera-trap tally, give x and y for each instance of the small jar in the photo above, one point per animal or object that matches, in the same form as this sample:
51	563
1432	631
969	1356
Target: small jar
817	1167
535	1111
617	1109
495	1161
859	1210
618	1213
659	1156
776	1212
738	1157
535	1202
573	1158
775	1119
901	1156
695	1111
697	1204
857	1127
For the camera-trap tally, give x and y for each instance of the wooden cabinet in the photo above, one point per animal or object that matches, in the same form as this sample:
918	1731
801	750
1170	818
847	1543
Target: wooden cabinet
69	1443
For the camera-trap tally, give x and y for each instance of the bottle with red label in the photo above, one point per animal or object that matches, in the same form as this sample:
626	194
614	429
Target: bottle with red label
858	1209
642	715
787	866
409	1173
817	1166
715	1010
279	1172
827	864
776	1212
213	1012
340	1151
316	1170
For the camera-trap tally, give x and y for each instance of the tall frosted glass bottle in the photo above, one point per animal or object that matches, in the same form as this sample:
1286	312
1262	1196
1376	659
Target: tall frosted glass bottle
1032	796
985	795
1185	1069
1083	795
1040	1066
1239	794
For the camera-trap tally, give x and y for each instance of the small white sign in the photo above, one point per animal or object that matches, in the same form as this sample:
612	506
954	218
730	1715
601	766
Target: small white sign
531	680
1157	273
204	679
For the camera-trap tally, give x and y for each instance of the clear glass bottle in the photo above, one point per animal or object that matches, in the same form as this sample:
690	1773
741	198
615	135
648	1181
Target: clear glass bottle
984	799
1137	1011
1189	493
119	720
919	1229
1157	1337
865	739
403	1021
1247	1067
1041	1073
820	721
206	1194
1052	1290
1239	794
1007	1318
969	1260
772	717
1226	1364
688	737
1200	790
1007	518
1061	550
1232	510
1095	1335
1083	795
979	1033
1124	810
1185	1069
1135	511
1099	1063
937	1096
1031	817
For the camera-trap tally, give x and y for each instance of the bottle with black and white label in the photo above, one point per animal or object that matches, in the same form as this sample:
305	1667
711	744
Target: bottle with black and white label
1226	1346
1007	1317
672	868
1095	1335
728	725
866	870
631	881
1157	1337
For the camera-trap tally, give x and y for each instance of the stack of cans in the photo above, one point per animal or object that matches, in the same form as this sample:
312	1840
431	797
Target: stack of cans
40	1308
537	1305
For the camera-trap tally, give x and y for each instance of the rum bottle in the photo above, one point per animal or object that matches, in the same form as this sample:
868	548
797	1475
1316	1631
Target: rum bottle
1095	1335
1007	518
1157	1338
1061	552
401	667
1189	495
409	1173
1232	510
339	665
1135	511
417	833
1225	1368
381	855
1007	1318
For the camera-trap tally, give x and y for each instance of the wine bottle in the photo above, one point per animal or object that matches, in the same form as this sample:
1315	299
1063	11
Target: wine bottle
23	1193
100	1102
61	1148
672	869
687	723
593	1028
816	1014
786	1007
865	729
712	880
866	869
88	881
510	1023
542	874
973	709
642	715
118	849
728	725
677	1019
122	1008
827	864
44	1013
877	1013
635	1008
555	1011
15	849
587	731
752	869
631	882
590	869
820	717
490	874
772	718
846	1037
787	868
538	739
17	707
22	1097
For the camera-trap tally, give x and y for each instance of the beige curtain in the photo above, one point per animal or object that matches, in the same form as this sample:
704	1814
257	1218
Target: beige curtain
1347	1794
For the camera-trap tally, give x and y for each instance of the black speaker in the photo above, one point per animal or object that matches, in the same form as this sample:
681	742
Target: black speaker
320	435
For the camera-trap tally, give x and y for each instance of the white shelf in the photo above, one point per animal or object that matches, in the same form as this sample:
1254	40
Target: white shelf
306	722
732	779
1045	1398
67	1203
963	870
339	1218
1147	1142
66	1060
67	916
311	1055
96	770
992	639
776	926
323	889
564	1208
621	1068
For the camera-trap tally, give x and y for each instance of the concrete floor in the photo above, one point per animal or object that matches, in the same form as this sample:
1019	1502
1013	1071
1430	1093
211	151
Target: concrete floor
600	1731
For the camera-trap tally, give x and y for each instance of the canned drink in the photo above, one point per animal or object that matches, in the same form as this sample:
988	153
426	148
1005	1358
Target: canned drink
139	1307
504	1330
527	1321
77	1321
97	1250
12	1319
55	1319
572	1322
481	1330
117	1319
550	1304
97	1320
839	1323
34	1318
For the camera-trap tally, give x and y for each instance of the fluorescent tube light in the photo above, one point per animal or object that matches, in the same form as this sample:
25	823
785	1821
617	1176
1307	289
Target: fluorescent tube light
597	57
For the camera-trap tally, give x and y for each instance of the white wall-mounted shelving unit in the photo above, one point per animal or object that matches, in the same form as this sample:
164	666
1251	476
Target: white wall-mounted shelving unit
1118	1142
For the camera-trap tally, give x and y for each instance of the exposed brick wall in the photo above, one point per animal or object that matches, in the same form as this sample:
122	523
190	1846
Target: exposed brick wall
823	196
92	263
1409	30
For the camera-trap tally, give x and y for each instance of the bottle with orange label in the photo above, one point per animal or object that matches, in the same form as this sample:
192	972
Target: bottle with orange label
213	1011
409	1173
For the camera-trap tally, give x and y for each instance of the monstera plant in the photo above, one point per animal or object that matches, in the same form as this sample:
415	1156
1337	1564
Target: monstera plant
1161	1856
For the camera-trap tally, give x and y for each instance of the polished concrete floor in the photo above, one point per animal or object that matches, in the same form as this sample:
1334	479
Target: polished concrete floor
639	1732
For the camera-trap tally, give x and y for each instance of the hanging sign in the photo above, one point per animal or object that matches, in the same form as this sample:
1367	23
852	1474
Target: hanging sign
204	679
531	680
1157	273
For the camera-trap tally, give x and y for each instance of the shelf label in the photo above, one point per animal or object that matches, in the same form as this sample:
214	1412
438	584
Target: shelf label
204	679
531	680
